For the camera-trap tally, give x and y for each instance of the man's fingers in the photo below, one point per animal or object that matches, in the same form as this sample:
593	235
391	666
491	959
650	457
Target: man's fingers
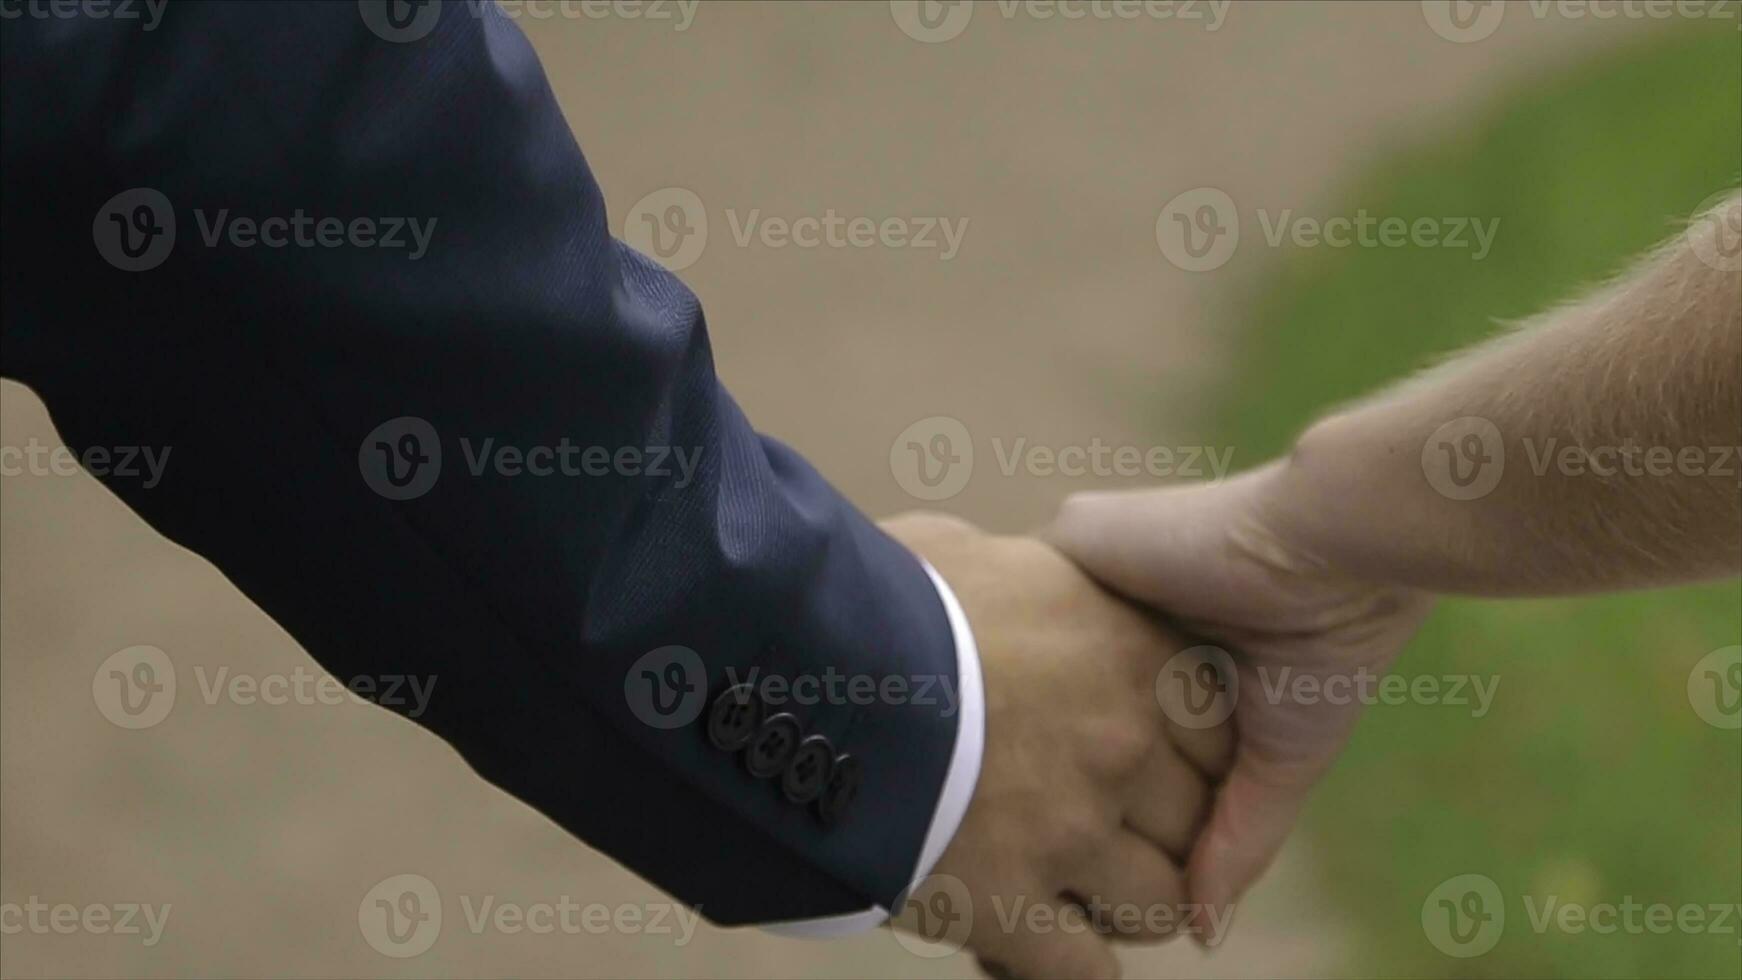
919	527
1196	689
1168	802
1132	889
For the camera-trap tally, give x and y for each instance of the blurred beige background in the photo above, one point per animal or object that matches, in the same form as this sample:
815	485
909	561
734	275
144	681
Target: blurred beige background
1059	321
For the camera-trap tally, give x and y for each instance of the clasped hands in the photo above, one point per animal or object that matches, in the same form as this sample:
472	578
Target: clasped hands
1128	790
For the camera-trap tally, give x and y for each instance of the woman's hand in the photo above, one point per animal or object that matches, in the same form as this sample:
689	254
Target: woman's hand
1212	558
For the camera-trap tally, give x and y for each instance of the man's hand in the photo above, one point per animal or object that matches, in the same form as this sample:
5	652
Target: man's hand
1087	798
1216	559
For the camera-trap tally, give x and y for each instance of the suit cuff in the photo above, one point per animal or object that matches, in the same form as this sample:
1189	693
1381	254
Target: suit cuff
959	781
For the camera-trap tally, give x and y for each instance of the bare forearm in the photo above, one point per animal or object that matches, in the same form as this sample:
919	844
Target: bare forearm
1594	448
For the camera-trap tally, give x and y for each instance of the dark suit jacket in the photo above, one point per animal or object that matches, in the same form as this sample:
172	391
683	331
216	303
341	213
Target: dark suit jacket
275	375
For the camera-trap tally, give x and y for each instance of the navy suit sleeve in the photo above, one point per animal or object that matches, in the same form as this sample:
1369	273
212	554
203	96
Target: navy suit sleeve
286	376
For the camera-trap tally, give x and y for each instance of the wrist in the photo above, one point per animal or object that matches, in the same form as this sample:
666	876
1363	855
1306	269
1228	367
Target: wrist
1317	514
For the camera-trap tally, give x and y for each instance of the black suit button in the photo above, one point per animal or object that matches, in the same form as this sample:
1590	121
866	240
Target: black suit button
805	778
773	745
842	788
734	717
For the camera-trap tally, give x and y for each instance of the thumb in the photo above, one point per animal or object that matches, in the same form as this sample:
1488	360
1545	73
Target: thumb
1254	810
1170	547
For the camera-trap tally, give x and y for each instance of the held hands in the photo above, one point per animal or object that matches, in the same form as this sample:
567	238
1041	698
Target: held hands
1089	799
1222	562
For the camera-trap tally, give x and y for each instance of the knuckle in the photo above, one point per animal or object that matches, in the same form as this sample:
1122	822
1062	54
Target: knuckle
1119	748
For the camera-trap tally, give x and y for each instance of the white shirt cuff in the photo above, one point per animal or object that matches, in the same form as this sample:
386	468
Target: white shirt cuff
959	780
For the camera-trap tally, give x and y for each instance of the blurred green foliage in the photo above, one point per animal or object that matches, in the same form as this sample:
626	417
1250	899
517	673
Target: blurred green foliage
1592	779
